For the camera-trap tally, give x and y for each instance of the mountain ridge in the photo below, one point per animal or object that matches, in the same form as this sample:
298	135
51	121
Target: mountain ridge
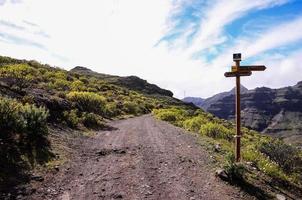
277	112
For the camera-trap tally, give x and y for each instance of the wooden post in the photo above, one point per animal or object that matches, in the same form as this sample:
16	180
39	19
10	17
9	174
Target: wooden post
238	117
238	71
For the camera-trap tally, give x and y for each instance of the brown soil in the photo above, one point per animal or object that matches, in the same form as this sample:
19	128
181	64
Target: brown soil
140	158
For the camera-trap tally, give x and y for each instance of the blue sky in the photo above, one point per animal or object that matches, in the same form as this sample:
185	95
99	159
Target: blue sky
182	45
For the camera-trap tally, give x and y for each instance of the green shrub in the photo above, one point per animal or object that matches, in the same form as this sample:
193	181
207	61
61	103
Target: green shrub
111	110
78	86
87	101
20	75
173	115
23	130
71	118
91	120
194	123
36	121
234	170
130	107
216	130
61	84
11	120
286	156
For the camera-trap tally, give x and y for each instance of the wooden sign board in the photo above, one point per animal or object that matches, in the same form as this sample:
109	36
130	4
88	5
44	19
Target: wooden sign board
254	67
234	74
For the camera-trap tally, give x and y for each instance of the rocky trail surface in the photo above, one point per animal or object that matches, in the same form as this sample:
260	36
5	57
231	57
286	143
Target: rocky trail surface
139	158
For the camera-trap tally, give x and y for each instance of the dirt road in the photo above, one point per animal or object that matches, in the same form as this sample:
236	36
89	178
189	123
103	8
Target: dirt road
141	158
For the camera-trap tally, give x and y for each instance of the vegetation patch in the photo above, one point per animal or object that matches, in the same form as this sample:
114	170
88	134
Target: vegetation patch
271	157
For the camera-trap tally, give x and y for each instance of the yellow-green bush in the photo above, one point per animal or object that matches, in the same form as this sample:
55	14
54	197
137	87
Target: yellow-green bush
71	118
91	120
87	101
216	130
111	110
286	156
173	115
23	130
78	86
130	107
194	124
20	75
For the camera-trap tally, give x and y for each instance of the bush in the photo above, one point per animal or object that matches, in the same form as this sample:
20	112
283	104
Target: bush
286	156
91	120
194	123
78	86
36	121
130	107
234	170
10	117
19	76
87	101
215	130
61	84
23	130
71	118
111	110
172	115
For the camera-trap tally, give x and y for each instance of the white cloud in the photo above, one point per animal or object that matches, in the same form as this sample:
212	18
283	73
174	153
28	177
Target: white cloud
118	37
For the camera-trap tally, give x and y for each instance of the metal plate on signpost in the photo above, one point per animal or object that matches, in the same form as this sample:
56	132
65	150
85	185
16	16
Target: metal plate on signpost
237	57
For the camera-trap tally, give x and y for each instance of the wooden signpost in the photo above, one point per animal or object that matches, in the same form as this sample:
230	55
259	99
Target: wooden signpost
238	71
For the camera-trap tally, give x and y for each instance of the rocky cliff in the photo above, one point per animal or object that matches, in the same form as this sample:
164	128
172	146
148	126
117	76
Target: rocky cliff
277	112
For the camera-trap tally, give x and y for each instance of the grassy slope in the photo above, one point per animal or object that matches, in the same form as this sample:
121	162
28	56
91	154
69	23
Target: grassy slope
265	160
35	97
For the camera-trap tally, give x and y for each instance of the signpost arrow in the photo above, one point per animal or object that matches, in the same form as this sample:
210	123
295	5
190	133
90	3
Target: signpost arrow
237	71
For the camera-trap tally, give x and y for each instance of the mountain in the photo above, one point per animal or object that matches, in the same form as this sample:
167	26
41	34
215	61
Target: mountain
130	82
206	103
195	100
211	100
277	112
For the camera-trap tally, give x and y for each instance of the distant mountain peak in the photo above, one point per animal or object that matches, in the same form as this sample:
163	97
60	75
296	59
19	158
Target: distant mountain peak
80	68
242	89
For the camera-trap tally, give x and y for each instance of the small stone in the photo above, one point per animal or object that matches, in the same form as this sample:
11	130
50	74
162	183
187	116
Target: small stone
222	174
57	168
117	196
37	178
280	197
217	147
192	198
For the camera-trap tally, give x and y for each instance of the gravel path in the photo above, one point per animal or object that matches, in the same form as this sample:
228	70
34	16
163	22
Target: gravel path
141	158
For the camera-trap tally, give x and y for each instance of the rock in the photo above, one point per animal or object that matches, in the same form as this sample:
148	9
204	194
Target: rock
37	178
57	168
280	197
217	147
192	198
117	196
222	174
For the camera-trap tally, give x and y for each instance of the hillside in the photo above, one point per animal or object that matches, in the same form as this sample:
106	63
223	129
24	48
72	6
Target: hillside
52	121
277	112
35	98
